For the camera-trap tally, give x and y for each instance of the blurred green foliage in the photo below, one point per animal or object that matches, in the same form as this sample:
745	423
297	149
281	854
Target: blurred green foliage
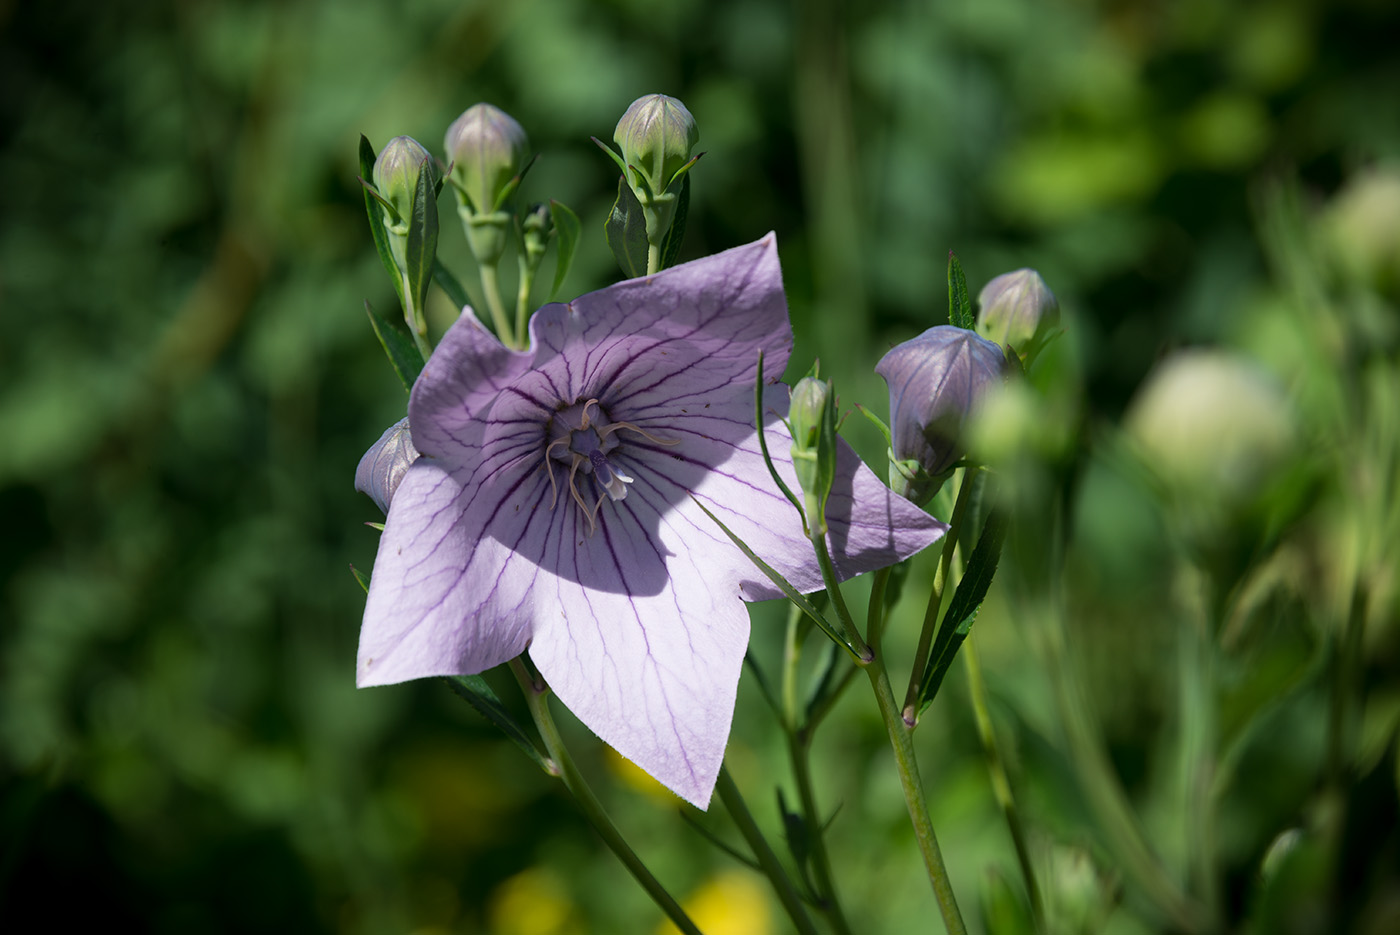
187	380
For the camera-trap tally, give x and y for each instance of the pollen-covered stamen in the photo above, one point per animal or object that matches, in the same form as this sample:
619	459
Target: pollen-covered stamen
586	440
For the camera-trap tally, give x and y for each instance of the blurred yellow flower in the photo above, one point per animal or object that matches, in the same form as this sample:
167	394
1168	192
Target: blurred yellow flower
533	902
730	903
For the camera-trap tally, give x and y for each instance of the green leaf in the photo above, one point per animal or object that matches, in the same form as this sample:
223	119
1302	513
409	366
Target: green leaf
474	691
568	228
626	231
449	284
959	304
376	215
671	246
783	585
404	355
714	839
967	600
361	577
421	250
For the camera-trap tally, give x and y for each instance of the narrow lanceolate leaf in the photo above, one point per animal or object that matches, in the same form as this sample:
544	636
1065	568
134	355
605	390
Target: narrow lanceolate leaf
627	232
450	285
376	215
568	229
967	600
959	302
361	577
474	690
671	248
404	355
421	250
788	590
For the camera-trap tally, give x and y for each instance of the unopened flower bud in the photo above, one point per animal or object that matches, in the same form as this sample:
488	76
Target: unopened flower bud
935	381
487	149
812	418
396	173
1213	426
382	468
656	136
1017	310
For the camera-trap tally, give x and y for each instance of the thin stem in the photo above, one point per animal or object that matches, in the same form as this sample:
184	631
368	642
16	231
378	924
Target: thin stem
935	597
653	258
902	740
417	324
522	303
833	589
537	697
491	286
799	751
1001	785
782	884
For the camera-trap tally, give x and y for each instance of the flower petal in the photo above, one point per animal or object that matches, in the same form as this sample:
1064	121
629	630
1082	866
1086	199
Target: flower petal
443	599
459	382
383	466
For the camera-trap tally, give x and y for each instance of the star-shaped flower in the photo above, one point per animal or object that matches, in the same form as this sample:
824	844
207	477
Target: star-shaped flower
552	509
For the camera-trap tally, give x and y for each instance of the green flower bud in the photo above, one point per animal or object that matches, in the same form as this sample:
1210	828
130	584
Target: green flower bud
1214	427
656	136
1019	310
487	149
812	418
396	172
535	229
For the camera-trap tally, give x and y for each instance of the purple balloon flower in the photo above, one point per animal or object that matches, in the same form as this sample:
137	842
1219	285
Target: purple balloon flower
935	380
552	509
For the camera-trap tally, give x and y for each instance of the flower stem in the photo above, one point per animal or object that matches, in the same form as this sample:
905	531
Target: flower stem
834	590
522	303
537	697
417	324
491	286
935	598
799	751
902	740
782	884
653	258
1001	785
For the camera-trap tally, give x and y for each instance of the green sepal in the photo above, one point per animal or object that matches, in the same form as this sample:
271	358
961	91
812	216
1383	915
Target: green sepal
450	285
376	219
383	202
569	229
959	302
683	171
474	690
962	611
626	232
758	388
360	577
612	154
786	587
671	246
879	424
404	355
421	250
509	189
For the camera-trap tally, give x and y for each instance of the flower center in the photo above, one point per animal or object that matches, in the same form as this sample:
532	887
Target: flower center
581	437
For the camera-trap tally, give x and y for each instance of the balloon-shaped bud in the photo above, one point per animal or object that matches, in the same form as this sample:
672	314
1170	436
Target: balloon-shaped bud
396	173
935	381
656	136
812	418
487	149
1017	310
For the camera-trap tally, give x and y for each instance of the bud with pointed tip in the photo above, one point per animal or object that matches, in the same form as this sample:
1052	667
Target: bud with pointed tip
812	418
656	135
1018	310
487	149
935	381
402	160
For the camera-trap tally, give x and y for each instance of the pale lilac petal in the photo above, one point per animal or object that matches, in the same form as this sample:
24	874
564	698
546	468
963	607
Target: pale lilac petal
461	379
443	599
383	466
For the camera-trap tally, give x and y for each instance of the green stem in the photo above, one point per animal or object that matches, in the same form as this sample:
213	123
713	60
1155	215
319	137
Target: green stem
491	286
902	740
782	884
417	324
800	752
935	597
522	304
537	697
1001	784
833	589
653	258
